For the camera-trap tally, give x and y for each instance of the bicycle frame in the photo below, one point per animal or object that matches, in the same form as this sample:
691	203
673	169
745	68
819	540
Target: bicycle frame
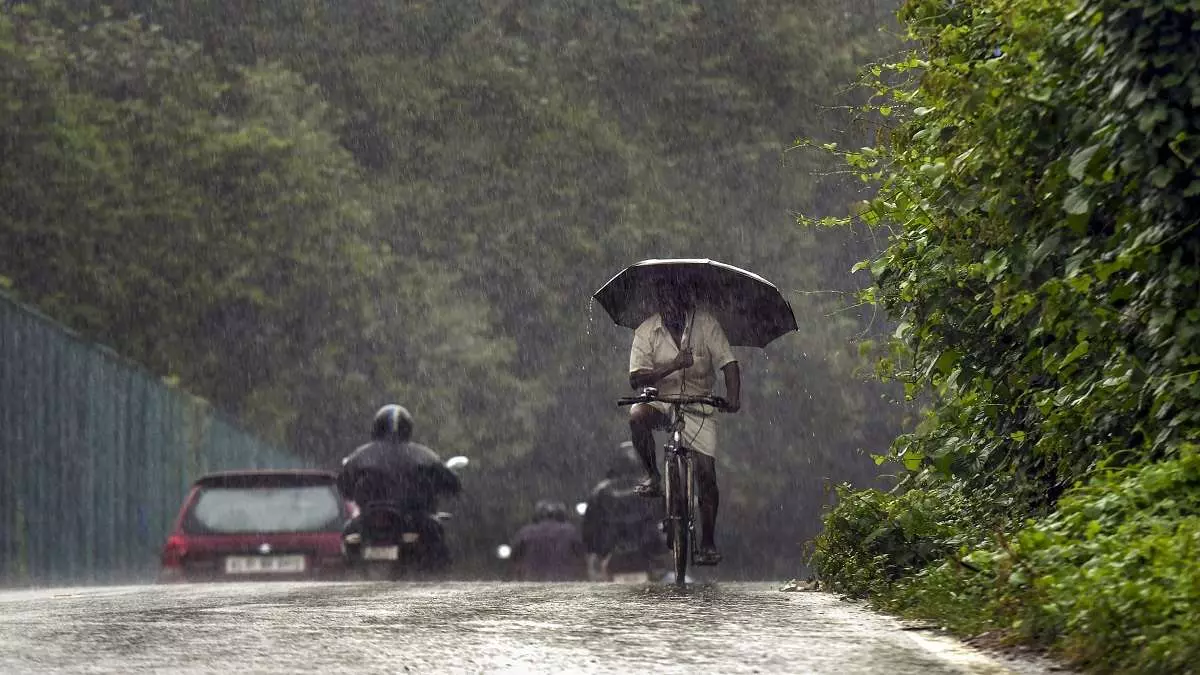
679	485
680	509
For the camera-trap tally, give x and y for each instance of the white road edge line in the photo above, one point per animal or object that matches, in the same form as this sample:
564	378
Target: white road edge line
959	655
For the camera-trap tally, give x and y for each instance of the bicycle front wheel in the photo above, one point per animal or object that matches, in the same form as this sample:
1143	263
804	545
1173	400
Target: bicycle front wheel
677	517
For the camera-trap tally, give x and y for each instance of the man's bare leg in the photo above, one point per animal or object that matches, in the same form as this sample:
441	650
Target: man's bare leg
710	498
642	421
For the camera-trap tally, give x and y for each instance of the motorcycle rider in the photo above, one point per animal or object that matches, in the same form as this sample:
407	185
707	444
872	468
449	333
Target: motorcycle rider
621	529
392	470
549	548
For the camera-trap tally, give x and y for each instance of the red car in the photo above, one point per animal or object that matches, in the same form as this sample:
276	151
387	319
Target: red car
258	524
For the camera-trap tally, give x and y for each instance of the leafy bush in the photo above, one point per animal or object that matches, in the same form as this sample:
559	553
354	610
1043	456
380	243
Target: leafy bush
1041	189
1111	580
1114	575
873	538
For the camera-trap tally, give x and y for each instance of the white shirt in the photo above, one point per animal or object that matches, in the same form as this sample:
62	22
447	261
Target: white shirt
653	346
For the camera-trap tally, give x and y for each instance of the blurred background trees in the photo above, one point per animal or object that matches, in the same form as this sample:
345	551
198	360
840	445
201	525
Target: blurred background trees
301	210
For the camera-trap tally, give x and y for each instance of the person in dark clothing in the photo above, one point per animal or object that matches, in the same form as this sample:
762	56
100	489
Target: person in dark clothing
393	469
395	474
621	529
549	548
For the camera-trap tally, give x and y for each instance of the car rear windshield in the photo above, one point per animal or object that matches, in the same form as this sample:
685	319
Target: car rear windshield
235	510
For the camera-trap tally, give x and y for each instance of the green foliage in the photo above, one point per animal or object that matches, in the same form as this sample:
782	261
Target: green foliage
207	220
1114	575
873	538
141	189
1042	267
1111	580
1040	189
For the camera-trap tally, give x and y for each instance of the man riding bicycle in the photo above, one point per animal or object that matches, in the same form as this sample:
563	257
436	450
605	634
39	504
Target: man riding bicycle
678	350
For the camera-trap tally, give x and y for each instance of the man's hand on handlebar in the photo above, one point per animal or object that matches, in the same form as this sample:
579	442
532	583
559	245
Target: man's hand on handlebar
650	394
726	405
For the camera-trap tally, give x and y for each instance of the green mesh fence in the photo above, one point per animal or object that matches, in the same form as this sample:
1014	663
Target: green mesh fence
96	455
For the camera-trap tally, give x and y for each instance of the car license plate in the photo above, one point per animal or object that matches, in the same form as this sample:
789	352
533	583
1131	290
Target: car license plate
381	553
264	564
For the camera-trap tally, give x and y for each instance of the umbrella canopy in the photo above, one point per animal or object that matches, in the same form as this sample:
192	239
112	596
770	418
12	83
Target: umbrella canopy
751	309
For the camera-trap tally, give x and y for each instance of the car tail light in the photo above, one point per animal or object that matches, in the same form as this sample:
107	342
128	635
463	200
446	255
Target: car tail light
174	551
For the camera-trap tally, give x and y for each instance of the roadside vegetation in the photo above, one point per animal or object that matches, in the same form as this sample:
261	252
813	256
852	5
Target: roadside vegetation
1038	176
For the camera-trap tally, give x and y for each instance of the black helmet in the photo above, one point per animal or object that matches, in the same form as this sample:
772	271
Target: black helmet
548	509
625	462
393	423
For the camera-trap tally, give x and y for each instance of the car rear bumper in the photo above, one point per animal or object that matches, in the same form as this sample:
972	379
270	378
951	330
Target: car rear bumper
327	570
177	577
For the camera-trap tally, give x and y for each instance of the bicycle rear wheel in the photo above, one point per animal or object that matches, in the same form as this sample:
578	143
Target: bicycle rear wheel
677	516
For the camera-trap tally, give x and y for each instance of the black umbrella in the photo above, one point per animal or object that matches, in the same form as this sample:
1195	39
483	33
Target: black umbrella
751	309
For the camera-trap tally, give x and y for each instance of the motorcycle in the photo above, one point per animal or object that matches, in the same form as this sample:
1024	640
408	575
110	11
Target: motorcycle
385	542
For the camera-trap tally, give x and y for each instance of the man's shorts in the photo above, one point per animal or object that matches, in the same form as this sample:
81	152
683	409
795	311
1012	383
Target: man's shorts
699	429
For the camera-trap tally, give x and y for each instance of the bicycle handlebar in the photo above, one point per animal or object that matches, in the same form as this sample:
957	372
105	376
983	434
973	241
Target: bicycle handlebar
648	397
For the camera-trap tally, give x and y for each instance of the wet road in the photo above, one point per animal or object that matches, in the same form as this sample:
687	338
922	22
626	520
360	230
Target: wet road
463	627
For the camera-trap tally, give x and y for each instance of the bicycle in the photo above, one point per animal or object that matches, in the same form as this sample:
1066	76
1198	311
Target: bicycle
679	477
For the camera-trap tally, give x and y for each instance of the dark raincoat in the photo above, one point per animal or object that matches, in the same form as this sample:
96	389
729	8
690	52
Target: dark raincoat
619	521
408	475
549	550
